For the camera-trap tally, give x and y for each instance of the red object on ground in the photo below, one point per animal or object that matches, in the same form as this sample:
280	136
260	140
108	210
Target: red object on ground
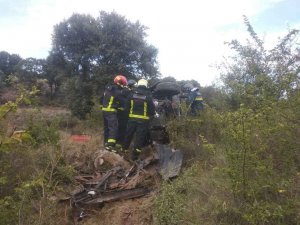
81	138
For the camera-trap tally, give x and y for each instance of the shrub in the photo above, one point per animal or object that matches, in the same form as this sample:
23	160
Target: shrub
195	135
43	132
198	196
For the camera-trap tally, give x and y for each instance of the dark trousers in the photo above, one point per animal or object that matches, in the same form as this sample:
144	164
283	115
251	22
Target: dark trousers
140	129
196	107
122	125
110	122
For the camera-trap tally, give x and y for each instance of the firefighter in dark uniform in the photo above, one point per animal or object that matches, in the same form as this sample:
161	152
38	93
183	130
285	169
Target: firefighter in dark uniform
111	102
196	101
122	115
141	109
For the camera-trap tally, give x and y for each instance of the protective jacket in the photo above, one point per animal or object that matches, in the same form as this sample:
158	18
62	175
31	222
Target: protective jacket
111	99
196	101
140	109
140	104
122	116
195	95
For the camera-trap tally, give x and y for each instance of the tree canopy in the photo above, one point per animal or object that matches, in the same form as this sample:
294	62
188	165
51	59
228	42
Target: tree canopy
255	75
104	46
8	64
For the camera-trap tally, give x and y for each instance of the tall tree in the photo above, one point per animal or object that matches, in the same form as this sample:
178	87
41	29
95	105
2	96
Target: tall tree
8	64
77	40
54	71
94	50
31	69
123	48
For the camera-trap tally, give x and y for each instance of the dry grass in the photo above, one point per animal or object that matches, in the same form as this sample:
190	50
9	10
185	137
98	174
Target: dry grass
127	212
81	154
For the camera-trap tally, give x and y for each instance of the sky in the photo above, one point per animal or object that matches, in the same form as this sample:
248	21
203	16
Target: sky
189	34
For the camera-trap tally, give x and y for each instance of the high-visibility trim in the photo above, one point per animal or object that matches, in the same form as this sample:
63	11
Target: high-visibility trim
131	107
199	99
145	109
109	108
138	150
121	108
131	115
139	116
111	140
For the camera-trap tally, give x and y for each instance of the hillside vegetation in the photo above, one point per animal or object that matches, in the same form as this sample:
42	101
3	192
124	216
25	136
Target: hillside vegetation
246	155
241	155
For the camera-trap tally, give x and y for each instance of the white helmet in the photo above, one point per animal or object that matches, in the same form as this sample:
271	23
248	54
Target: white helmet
142	82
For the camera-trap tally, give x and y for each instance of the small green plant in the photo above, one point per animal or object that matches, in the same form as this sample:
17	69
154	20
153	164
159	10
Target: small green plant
43	132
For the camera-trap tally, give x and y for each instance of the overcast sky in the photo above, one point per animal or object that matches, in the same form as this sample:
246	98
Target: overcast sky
189	34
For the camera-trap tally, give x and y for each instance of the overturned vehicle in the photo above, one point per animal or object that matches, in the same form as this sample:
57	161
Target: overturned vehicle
166	98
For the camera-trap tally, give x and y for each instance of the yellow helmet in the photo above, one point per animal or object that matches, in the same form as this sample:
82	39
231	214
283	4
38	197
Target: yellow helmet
142	82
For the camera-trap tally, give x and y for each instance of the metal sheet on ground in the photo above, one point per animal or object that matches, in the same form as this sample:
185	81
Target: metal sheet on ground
170	161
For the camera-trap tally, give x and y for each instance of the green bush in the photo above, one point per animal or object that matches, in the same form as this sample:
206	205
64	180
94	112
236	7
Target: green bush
43	132
199	196
31	170
8	211
79	97
246	163
262	154
192	134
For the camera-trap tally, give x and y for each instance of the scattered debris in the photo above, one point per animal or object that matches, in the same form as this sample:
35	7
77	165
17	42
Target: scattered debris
170	161
111	158
122	179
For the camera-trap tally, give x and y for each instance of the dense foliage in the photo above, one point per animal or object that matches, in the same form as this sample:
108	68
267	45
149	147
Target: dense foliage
253	158
31	166
8	63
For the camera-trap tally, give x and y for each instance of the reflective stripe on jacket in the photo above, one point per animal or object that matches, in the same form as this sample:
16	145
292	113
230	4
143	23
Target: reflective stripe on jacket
109	108
110	99
140	105
198	98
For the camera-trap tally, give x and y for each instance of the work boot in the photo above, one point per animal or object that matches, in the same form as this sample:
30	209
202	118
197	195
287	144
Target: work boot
110	147
135	154
119	147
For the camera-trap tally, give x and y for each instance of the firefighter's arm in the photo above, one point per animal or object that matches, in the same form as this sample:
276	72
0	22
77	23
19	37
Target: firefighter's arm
127	104
151	107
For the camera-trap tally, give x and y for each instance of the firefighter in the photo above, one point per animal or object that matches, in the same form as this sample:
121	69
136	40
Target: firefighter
195	101
140	109
122	115
111	102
